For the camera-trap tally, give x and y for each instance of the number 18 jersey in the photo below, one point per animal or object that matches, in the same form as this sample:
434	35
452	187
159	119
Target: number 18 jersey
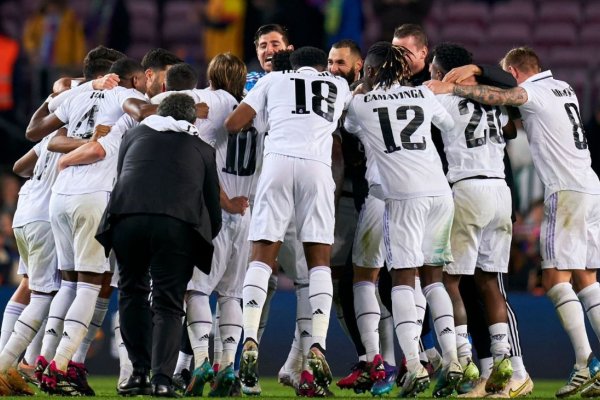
398	128
303	109
557	141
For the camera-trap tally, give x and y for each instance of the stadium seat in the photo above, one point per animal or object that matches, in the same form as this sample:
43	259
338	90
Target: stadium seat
513	11
591	12
490	55
571	57
509	33
433	33
555	34
137	51
559	11
180	25
590	35
469	35
579	79
470	12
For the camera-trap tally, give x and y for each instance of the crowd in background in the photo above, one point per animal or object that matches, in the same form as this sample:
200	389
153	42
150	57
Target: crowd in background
45	39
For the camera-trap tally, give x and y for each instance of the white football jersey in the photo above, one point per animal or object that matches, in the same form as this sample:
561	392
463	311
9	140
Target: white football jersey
303	109
475	145
34	196
556	137
103	107
56	101
86	110
398	122
372	174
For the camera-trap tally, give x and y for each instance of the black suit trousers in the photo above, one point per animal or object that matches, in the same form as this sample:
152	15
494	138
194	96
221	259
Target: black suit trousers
155	256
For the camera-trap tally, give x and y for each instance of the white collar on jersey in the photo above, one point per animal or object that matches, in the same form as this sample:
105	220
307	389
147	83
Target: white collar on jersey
539	76
164	124
308	69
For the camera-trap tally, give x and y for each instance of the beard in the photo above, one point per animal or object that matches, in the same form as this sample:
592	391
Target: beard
349	76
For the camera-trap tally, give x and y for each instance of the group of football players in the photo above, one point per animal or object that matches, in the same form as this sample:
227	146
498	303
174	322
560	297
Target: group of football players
422	135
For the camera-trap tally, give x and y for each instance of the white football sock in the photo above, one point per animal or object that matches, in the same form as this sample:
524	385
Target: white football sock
519	371
406	325
570	314
320	290
463	346
95	324
27	326
486	365
35	347
386	333
217	342
254	295
420	301
443	320
125	366
590	300
266	308
368	315
499	346
230	325
293	362
199	324
184	361
56	318
304	321
77	320
11	314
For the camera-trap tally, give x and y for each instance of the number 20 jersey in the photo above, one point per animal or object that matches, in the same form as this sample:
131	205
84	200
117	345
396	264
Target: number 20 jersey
398	128
557	141
475	146
303	109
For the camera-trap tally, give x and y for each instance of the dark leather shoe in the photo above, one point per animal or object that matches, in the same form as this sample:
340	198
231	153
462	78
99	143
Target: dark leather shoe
136	385
159	390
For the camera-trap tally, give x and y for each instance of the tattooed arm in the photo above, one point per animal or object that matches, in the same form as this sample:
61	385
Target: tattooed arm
482	94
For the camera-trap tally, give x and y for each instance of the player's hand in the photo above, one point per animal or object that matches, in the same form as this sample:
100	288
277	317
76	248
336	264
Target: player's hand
459	74
237	205
439	87
100	131
202	110
361	89
107	82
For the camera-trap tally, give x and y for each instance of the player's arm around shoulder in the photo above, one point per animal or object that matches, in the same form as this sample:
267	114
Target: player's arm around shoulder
489	95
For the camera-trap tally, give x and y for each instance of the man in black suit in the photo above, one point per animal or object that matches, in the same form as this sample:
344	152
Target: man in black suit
162	216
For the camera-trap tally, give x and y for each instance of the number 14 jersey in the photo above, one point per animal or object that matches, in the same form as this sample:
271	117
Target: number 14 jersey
398	122
303	109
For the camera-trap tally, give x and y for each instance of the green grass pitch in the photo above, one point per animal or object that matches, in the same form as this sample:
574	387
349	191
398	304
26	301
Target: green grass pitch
105	388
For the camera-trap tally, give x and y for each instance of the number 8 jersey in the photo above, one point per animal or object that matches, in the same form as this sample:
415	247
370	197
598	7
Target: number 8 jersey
398	128
556	138
303	108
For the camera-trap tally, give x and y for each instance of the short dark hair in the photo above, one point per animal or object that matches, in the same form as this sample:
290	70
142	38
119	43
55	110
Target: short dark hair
103	52
413	30
451	55
179	106
181	77
308	56
159	59
350	44
95	68
268	28
125	68
281	60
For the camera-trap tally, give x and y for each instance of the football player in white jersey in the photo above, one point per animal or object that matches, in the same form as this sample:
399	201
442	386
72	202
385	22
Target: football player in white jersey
34	238
79	195
303	108
570	236
418	203
482	228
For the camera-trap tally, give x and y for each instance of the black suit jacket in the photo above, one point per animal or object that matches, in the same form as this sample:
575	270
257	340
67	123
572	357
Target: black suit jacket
166	173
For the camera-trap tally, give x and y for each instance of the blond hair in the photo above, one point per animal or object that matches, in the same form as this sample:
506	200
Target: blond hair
522	58
227	72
